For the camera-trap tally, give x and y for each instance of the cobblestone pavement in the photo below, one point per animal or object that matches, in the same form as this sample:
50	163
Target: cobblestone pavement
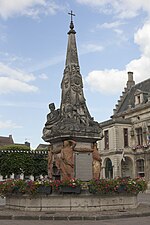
123	221
142	210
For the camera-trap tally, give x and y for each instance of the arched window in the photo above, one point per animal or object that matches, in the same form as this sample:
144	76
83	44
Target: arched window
140	167
127	167
108	169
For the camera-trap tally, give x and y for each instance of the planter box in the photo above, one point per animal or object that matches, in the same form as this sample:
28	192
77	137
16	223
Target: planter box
69	189
73	202
121	189
44	190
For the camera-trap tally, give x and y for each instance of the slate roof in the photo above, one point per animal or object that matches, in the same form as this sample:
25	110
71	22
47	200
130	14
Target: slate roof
6	140
129	99
42	146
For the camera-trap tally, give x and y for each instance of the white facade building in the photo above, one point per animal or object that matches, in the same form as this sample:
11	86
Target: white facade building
125	148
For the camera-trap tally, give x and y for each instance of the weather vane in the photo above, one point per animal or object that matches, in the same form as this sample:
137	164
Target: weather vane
71	14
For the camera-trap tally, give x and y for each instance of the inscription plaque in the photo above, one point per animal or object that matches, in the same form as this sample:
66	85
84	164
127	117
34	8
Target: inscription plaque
83	166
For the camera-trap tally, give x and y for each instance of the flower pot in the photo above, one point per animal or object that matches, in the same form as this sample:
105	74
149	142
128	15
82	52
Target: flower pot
92	189
122	188
70	189
44	190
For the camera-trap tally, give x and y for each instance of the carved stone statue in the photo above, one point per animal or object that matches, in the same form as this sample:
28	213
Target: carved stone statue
73	117
72	120
51	125
96	162
53	116
50	164
66	160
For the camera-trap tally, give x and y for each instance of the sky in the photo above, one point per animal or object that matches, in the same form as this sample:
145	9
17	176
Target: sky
113	37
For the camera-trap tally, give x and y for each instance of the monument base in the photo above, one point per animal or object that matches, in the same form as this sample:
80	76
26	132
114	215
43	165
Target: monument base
72	202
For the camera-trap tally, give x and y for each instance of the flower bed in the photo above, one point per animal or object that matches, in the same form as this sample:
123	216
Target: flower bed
67	186
103	194
117	185
102	186
9	187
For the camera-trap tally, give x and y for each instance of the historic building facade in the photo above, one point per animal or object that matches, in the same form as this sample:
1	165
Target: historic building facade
125	148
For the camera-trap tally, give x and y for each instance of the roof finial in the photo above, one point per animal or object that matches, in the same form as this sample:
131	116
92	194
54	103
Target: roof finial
71	23
72	14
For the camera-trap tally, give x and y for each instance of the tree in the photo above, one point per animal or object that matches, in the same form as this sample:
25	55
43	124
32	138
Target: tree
21	160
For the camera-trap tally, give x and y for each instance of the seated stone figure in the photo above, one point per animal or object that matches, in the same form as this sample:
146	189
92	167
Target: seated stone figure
51	124
53	116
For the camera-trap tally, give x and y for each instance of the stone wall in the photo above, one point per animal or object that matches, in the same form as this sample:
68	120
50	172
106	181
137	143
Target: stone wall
72	202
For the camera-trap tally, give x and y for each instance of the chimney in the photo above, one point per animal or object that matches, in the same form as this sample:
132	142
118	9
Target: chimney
11	139
130	81
27	144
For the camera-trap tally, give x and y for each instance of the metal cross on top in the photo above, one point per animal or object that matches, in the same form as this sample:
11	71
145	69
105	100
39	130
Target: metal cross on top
72	14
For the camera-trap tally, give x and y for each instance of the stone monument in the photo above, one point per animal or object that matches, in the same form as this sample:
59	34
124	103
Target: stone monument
70	130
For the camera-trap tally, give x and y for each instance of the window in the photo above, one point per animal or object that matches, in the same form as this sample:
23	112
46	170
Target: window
139	136
138	99
125	133
106	139
109	169
140	167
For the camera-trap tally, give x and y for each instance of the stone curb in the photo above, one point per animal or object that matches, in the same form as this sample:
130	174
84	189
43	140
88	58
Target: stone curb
73	218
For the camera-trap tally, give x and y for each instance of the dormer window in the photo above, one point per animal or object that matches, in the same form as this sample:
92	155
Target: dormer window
138	99
141	97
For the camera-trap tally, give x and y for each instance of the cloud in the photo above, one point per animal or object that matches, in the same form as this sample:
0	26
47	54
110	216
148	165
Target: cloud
43	76
31	104
113	81
8	124
47	63
88	48
122	8
142	38
15	80
10	8
8	85
115	27
3	35
111	25
106	81
141	66
15	73
31	8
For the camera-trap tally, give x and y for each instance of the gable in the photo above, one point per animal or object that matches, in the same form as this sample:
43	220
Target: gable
129	100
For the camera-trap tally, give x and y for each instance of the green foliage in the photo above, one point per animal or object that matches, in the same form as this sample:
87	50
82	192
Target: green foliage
12	186
40	166
15	147
16	163
70	183
102	186
21	161
117	185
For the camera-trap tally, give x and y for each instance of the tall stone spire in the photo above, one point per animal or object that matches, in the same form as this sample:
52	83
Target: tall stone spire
73	119
73	103
72	55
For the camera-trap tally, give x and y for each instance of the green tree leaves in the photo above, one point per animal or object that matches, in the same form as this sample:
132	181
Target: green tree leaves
21	160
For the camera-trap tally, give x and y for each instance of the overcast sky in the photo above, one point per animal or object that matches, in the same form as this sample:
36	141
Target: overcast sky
113	37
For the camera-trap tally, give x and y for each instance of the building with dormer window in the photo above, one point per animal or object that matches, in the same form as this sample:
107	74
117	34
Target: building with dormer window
125	148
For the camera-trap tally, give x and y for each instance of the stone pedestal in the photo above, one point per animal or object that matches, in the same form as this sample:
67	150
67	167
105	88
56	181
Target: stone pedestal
72	202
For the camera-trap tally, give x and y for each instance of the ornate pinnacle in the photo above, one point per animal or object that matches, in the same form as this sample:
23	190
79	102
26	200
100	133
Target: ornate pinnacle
71	23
